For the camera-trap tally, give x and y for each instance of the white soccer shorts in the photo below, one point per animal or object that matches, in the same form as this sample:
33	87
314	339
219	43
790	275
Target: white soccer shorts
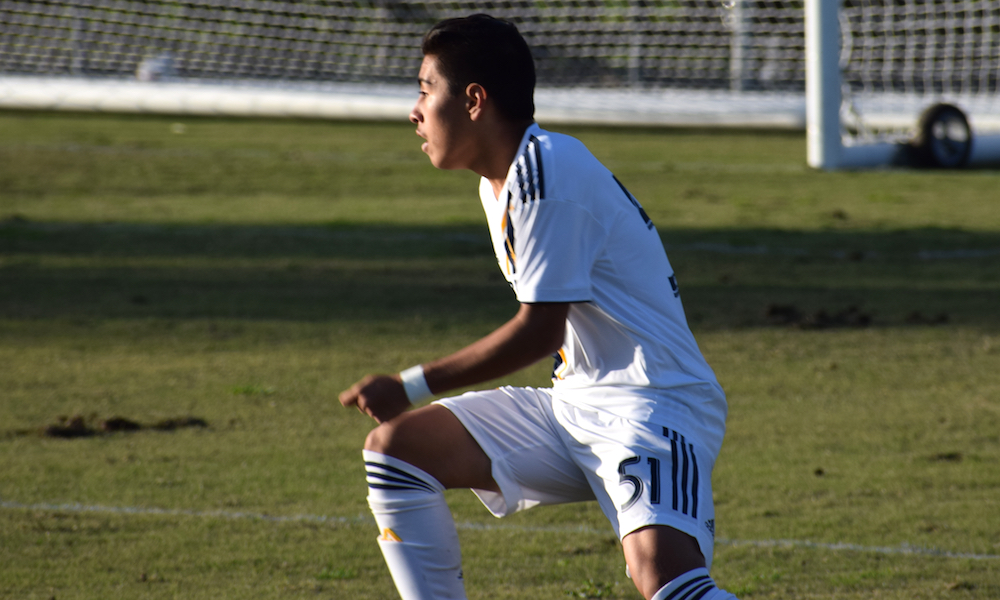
546	451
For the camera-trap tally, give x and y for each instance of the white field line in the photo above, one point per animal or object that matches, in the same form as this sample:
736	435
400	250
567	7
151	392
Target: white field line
904	549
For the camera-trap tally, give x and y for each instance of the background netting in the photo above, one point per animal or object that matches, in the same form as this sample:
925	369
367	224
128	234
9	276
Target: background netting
895	48
923	47
685	43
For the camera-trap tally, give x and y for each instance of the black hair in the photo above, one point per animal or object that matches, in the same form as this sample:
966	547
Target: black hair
488	51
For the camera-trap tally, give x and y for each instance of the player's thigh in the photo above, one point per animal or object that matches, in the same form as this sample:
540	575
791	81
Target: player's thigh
525	444
644	474
433	439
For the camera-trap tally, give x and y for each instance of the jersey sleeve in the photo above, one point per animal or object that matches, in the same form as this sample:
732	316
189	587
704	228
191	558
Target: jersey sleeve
553	245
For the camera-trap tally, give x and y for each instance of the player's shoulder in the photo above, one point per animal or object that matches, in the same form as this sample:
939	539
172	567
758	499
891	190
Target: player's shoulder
562	157
553	143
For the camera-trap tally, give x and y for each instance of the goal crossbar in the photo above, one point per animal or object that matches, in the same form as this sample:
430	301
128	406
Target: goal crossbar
672	108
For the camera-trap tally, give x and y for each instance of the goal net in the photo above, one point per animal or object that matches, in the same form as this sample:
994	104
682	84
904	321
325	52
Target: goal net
311	54
692	44
897	69
697	62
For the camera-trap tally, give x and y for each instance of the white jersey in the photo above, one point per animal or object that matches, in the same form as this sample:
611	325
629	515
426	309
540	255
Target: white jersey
566	230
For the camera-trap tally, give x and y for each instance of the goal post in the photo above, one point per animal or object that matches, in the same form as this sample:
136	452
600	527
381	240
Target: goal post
825	148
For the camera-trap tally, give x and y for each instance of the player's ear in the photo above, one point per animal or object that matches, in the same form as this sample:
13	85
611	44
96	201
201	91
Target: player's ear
475	100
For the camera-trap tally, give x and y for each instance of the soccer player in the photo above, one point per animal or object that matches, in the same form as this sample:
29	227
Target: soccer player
635	416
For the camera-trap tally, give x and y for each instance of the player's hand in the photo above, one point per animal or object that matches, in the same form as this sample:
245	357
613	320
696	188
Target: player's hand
381	397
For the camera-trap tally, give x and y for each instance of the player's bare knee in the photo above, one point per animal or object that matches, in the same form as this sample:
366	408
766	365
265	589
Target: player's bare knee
389	438
380	439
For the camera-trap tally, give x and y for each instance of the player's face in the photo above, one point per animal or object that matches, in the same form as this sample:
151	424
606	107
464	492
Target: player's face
442	119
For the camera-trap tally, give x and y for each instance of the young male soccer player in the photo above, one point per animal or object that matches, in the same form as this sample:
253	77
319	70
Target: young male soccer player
634	418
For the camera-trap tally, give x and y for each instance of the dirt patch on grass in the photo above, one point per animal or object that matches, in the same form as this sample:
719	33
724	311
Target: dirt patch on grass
787	314
80	426
852	316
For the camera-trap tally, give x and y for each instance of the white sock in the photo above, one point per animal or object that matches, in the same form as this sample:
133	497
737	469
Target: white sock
417	533
693	585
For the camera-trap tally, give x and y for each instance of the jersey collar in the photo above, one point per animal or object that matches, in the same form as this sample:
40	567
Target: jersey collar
532	130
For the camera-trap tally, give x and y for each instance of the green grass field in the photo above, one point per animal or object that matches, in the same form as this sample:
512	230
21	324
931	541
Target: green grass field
244	272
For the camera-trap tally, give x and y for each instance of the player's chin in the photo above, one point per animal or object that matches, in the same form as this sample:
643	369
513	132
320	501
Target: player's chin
436	159
440	159
447	164
430	156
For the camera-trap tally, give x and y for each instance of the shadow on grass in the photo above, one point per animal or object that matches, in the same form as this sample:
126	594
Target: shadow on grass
730	278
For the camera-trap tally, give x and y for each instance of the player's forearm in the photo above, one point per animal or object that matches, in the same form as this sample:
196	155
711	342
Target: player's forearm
537	331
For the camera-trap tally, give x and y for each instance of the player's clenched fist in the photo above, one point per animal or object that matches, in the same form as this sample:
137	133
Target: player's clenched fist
381	397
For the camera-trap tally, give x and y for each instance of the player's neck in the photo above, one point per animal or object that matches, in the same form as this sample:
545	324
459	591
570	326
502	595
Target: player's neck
502	144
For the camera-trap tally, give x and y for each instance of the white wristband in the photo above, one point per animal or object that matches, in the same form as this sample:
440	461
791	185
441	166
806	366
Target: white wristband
415	384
